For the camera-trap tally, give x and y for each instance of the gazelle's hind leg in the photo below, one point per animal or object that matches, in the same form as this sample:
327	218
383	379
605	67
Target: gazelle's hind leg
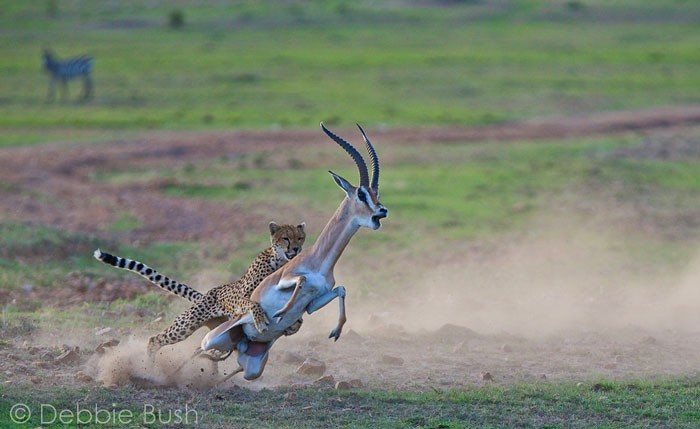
211	324
199	353
235	371
186	323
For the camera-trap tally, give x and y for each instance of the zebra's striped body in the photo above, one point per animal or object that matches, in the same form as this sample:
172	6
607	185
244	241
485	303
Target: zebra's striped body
179	289
63	71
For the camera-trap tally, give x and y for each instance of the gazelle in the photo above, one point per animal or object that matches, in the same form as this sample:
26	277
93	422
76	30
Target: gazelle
306	283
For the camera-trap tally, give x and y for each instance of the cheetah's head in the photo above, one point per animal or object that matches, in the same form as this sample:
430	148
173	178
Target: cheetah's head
287	240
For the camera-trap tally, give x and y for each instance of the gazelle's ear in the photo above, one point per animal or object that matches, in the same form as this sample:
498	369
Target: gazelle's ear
274	227
344	184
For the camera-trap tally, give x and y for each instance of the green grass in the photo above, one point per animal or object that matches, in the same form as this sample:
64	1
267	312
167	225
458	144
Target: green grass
256	65
453	191
435	193
664	403
43	256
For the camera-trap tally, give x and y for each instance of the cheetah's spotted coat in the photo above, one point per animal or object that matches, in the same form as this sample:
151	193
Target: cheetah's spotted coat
226	301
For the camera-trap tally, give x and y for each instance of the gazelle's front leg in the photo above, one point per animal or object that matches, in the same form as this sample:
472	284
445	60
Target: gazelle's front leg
299	283
323	300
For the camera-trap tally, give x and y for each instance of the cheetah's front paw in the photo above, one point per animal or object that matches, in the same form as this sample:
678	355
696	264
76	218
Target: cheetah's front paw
261	322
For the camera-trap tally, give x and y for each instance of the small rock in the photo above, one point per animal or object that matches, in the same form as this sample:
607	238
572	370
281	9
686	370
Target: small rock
343	385
33	350
158	319
103	331
460	347
455	332
42	364
312	367
351	335
543	377
326	379
308	407
67	348
486	376
506	348
111	343
292	358
35	380
81	377
579	384
290	396
9	373
649	340
356	382
298	386
391	360
68	357
610	366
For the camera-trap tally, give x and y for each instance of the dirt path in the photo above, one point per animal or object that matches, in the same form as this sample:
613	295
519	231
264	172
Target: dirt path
53	185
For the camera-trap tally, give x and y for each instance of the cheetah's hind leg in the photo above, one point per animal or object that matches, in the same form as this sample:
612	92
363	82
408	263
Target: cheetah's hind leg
200	353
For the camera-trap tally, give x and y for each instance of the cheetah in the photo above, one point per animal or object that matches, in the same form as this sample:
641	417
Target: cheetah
229	300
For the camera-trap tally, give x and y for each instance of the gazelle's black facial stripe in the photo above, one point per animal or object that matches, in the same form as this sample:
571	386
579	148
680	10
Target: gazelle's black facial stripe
362	195
370	199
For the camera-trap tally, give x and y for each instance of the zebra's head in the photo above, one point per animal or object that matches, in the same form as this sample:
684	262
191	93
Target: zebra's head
47	59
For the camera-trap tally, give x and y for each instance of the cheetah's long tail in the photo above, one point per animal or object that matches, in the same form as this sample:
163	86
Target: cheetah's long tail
150	274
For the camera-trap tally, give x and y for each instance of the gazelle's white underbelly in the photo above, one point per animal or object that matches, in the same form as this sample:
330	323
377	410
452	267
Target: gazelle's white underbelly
274	299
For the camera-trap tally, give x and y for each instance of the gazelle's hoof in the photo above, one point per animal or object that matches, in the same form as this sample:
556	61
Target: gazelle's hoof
279	315
335	333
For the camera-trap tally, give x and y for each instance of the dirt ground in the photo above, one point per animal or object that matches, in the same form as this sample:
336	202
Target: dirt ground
403	344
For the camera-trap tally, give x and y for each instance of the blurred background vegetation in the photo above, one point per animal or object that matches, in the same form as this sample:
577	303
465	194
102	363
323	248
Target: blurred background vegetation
180	66
221	64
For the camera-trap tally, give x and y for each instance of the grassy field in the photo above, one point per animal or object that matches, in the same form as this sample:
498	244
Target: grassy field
633	198
498	188
635	404
250	65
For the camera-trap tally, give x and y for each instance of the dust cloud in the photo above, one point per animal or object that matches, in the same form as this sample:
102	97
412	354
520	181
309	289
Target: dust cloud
128	363
547	286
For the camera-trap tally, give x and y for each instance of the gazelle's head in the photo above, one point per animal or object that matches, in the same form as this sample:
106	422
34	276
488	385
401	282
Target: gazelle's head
363	199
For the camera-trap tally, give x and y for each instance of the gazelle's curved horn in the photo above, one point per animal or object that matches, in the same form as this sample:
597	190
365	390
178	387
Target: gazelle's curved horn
373	157
361	166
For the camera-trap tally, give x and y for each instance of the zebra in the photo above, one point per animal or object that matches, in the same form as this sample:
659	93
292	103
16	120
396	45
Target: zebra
63	71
